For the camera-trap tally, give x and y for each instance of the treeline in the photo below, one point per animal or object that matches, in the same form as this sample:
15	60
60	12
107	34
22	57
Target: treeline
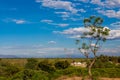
104	61
105	58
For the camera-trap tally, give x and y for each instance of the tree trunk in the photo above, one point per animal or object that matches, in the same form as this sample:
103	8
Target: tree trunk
90	67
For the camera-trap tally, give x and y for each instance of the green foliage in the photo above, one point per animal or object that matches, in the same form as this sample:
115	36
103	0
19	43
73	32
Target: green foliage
106	62
29	74
92	39
18	76
62	64
46	66
40	75
8	70
108	72
103	62
11	70
31	63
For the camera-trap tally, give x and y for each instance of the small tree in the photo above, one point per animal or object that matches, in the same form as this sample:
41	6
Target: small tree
62	64
91	40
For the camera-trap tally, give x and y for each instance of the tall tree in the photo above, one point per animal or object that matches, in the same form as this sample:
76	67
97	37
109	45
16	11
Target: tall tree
92	39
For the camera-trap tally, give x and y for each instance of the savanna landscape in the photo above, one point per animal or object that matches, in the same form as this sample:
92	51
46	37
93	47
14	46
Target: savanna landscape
59	40
105	68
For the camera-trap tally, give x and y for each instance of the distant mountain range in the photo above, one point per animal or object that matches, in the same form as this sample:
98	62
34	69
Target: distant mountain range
24	56
8	56
47	56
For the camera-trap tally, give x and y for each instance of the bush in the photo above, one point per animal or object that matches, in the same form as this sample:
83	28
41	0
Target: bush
100	64
27	74
46	66
11	70
31	63
62	64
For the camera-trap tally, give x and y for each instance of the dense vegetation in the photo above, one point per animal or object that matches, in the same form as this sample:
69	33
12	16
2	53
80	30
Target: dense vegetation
51	69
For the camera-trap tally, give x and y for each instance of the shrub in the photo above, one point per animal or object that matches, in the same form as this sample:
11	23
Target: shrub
11	70
27	74
46	66
31	63
62	64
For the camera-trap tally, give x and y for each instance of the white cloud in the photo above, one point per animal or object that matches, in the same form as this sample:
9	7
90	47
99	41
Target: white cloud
110	51
107	3
82	10
114	34
85	1
77	32
115	25
64	15
56	24
110	13
19	21
58	4
74	31
31	51
51	42
97	2
46	21
62	25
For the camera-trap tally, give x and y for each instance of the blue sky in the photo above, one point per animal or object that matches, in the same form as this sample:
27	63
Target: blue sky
48	28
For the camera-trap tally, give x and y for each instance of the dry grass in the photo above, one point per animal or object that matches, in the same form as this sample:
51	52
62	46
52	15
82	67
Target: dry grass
18	62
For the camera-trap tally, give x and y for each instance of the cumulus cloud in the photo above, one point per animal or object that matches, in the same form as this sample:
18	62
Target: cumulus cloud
114	34
58	4
77	32
73	31
110	13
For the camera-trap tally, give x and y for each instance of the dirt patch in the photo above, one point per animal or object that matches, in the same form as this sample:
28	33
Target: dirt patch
110	78
80	78
69	78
